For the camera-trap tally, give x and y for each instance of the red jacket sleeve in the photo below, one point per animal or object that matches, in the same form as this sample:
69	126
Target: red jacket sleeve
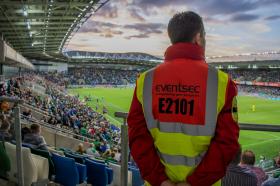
142	146
223	147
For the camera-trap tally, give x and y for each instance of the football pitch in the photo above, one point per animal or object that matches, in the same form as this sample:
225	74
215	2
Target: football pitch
266	112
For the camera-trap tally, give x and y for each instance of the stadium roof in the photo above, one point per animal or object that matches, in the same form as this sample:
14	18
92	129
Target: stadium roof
84	56
249	57
39	29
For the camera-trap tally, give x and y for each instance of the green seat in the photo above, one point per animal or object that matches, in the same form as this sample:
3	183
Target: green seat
5	163
45	154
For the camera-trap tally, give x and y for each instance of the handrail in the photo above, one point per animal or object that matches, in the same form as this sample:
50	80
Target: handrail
38	109
53	127
11	99
259	127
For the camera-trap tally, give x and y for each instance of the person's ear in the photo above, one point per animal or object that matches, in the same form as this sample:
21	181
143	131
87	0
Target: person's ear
197	39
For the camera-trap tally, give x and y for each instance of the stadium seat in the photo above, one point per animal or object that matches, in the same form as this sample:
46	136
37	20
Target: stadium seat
82	169
98	174
67	171
78	158
35	168
117	175
98	160
47	155
136	176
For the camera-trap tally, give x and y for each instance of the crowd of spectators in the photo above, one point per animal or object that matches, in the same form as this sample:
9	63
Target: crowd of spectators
255	75
91	76
65	112
262	90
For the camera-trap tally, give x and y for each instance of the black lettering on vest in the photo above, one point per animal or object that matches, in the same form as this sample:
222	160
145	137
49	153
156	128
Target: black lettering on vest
161	105
169	102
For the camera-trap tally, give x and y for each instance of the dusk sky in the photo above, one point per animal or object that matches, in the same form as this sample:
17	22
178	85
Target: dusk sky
232	26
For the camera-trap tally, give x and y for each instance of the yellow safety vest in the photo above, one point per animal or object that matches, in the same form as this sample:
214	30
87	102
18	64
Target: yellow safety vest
182	147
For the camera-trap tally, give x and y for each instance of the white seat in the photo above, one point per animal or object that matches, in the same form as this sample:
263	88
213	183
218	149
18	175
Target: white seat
117	175
42	165
35	168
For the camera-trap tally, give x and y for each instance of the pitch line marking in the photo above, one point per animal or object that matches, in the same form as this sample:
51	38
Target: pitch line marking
253	144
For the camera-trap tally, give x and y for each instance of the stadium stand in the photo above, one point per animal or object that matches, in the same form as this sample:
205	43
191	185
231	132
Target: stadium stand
78	138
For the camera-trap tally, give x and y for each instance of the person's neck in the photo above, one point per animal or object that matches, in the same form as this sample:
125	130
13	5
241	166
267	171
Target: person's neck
184	50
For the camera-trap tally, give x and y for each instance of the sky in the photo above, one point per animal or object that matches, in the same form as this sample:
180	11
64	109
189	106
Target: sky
232	26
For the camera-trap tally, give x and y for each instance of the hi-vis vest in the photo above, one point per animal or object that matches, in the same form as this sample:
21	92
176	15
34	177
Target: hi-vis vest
181	100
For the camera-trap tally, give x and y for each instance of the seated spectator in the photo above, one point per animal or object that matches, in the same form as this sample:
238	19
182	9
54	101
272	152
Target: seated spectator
106	154
238	176
34	138
27	114
272	182
92	151
81	149
247	161
4	131
117	154
24	131
277	160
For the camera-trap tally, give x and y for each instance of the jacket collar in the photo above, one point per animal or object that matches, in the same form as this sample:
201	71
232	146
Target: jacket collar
185	51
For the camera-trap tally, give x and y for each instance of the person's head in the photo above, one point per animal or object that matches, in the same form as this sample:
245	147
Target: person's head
80	146
248	157
237	157
5	125
186	27
112	155
35	128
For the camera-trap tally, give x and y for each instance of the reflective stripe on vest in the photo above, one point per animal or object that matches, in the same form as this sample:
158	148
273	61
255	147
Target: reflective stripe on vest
181	160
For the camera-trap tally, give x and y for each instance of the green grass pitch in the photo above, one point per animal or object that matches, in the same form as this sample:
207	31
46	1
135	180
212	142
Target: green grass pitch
266	112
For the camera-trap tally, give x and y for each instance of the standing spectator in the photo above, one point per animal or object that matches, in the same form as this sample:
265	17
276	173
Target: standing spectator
248	160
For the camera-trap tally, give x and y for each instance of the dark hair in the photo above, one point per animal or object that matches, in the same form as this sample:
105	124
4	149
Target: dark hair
183	26
34	128
248	157
5	125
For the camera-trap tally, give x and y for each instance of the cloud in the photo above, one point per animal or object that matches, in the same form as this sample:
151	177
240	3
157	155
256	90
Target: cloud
134	13
104	29
257	28
141	36
209	7
219	37
244	17
148	28
110	10
274	17
96	26
218	7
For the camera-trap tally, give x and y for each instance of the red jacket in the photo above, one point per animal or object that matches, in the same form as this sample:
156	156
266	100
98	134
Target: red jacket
222	149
